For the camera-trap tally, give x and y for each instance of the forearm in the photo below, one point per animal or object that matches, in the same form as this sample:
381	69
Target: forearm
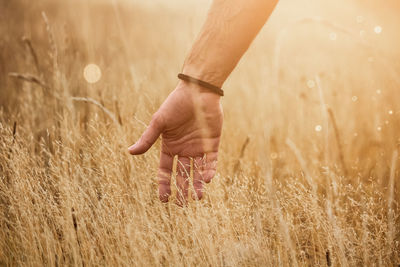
230	27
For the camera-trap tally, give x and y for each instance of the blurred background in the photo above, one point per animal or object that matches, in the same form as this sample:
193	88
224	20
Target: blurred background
311	127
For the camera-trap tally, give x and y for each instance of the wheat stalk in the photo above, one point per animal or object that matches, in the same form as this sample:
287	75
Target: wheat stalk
28	78
96	103
391	219
32	51
338	141
53	46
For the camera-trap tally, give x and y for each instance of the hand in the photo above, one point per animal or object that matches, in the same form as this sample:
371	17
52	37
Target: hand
190	122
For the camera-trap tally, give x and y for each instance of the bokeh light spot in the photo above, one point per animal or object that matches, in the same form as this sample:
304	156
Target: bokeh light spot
378	29
318	128
92	73
390	112
333	36
378	92
354	98
310	84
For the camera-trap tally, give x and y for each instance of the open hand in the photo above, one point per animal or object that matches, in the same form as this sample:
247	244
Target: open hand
190	123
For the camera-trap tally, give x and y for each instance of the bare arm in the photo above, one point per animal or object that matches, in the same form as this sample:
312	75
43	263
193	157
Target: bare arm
190	119
230	27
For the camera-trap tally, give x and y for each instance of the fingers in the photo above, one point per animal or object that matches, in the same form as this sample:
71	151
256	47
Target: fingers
210	166
164	176
149	136
198	164
182	180
204	169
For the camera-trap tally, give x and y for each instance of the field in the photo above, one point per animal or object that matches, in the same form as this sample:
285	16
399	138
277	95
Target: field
308	171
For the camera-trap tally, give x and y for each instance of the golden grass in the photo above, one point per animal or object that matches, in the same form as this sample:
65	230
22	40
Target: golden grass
308	172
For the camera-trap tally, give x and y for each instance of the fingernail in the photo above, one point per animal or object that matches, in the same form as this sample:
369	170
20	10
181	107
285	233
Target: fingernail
132	147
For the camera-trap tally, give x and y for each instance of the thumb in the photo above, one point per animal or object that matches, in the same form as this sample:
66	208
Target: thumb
148	138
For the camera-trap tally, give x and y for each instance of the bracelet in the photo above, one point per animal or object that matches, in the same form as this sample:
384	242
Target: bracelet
204	84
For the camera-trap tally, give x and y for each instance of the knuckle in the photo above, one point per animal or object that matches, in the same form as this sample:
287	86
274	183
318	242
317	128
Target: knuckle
164	174
198	184
164	182
147	142
157	120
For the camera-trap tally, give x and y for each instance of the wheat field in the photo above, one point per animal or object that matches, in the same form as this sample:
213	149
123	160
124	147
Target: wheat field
308	172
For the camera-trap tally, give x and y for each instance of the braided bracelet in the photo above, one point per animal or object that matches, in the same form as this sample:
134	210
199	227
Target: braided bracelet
204	84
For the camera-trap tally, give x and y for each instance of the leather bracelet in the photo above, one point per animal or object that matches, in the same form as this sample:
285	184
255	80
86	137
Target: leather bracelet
204	84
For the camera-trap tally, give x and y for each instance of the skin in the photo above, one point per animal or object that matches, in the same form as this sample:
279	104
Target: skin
190	119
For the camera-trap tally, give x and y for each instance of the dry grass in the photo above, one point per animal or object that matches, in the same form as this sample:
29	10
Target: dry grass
285	194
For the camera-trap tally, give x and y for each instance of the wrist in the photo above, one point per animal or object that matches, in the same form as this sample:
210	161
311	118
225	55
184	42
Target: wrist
197	92
201	73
